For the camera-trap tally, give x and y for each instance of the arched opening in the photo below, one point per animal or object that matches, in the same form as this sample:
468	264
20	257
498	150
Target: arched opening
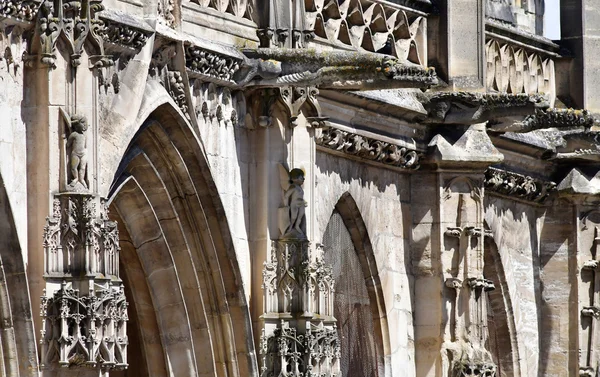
502	341
358	302
187	308
18	348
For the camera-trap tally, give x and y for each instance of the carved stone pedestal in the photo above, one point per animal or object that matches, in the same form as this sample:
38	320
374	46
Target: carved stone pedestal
299	336
83	308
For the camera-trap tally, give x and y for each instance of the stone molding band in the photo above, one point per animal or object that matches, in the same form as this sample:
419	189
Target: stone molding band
516	185
368	148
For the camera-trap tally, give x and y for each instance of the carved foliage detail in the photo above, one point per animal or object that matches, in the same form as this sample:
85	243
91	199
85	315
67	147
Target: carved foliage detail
84	330
124	35
520	186
371	149
20	9
210	65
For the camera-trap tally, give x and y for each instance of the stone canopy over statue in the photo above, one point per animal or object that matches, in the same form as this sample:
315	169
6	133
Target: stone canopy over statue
292	216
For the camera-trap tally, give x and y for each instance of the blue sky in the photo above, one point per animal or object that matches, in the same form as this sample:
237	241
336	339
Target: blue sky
552	29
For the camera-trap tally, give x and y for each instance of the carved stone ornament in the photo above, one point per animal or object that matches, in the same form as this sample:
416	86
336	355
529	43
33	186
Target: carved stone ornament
549	118
24	10
78	154
84	330
512	68
237	8
370	149
77	21
298	285
517	185
587	372
126	37
334	69
472	108
375	26
84	320
292	216
211	66
590	311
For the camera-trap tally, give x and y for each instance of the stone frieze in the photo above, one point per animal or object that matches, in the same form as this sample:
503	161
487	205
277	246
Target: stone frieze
368	148
517	185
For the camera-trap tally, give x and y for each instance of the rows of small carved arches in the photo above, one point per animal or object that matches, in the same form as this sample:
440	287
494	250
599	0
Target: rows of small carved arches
212	102
238	8
369	25
514	70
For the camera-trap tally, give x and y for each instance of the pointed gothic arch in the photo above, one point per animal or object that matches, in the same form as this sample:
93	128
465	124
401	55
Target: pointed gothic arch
350	251
18	355
177	259
503	345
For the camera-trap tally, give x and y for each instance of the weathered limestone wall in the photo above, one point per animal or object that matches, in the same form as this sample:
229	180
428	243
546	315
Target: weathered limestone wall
516	231
13	143
227	150
383	198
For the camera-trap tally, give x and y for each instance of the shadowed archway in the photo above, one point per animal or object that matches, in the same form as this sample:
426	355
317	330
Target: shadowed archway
186	300
18	347
358	305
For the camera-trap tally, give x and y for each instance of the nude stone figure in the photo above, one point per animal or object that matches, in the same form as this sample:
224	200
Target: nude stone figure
294	200
77	144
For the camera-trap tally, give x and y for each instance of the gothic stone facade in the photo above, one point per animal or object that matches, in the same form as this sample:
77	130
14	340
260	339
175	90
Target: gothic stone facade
269	188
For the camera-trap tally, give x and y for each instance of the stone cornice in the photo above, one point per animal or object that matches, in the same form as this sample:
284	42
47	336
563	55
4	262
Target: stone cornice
125	36
367	148
517	185
510	34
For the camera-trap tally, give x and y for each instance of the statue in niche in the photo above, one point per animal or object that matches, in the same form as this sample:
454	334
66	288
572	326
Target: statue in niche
292	216
77	152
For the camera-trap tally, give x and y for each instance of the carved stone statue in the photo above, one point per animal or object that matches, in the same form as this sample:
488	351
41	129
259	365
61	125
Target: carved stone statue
77	150
292	217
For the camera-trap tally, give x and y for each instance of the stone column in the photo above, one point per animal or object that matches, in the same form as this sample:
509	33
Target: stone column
579	20
453	263
299	335
73	244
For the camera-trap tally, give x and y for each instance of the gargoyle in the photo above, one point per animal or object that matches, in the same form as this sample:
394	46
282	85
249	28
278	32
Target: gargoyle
471	108
333	69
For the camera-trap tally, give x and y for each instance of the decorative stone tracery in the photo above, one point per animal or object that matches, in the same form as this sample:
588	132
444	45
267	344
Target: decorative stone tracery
374	26
83	308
